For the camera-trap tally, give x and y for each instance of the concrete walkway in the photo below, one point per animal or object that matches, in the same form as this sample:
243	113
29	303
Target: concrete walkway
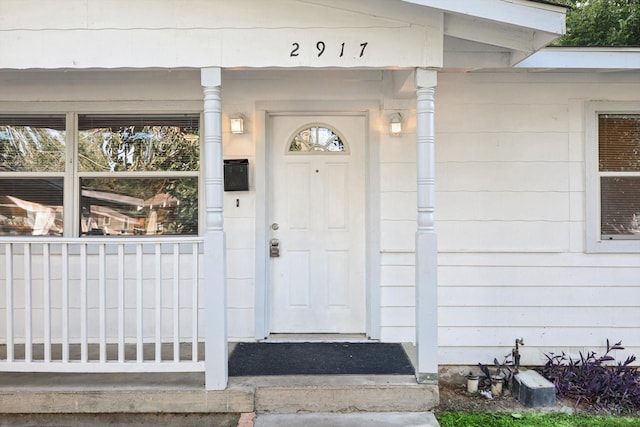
368	419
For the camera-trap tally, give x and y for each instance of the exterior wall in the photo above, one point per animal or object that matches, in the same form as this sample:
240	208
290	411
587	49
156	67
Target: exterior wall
510	198
510	214
511	220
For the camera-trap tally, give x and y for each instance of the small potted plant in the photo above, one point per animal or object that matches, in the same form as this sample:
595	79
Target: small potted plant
501	374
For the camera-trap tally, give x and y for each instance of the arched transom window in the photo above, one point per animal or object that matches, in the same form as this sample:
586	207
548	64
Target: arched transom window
317	138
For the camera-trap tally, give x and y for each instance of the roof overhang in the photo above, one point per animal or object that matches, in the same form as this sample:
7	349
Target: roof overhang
495	33
584	59
538	16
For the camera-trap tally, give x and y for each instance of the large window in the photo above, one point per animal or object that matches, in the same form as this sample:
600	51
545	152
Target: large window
613	177
138	174
128	174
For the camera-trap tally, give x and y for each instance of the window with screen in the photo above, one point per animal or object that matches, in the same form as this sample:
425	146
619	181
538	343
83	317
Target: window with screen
126	174
138	174
32	170
613	176
619	167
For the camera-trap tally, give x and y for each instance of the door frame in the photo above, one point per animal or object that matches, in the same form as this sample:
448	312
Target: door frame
370	110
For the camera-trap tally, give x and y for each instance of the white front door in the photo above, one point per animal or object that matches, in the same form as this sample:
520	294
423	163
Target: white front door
317	215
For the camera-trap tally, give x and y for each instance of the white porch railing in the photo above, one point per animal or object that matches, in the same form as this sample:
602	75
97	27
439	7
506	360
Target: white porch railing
100	305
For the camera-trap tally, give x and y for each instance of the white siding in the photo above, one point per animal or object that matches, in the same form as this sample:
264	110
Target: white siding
398	211
510	218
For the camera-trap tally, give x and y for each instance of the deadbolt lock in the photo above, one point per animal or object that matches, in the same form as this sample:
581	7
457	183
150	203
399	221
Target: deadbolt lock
274	248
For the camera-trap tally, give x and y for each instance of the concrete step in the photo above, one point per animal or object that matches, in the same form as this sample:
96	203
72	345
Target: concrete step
184	393
340	393
133	393
120	420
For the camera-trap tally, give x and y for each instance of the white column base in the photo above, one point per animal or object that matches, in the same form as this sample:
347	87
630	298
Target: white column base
427	307
215	318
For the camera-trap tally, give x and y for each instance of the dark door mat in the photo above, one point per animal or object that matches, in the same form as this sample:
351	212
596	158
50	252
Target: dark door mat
255	359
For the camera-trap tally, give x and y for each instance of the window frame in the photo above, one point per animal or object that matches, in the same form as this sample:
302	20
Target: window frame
594	241
312	125
71	175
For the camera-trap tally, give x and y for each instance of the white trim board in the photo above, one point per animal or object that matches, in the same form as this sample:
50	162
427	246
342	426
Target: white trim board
604	59
527	14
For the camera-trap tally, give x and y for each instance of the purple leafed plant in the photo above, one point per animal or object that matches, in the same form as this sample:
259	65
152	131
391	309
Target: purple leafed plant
596	379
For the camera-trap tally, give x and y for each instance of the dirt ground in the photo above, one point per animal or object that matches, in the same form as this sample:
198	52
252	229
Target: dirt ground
454	397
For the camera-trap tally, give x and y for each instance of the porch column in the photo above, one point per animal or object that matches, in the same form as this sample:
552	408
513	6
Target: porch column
426	239
215	287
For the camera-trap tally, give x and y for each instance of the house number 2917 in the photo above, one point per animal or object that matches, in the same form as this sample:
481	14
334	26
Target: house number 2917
321	49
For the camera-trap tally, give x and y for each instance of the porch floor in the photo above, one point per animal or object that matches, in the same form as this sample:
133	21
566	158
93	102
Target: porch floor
64	393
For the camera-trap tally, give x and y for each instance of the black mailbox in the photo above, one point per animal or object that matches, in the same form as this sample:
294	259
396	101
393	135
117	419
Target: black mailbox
236	175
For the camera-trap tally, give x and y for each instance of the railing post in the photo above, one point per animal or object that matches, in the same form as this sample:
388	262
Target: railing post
426	239
215	288
8	254
28	304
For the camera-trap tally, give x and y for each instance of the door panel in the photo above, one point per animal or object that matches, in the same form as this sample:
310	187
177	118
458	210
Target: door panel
317	200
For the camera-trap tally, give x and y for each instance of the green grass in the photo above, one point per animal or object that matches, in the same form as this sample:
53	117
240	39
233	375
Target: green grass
532	419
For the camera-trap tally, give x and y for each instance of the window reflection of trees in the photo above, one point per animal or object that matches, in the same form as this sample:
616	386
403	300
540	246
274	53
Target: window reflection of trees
316	139
148	148
31	148
137	175
145	205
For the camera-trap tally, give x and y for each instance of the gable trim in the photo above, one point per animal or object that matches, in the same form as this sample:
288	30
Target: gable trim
527	14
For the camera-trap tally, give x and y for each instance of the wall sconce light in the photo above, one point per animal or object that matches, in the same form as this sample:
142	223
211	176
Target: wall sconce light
395	124
237	124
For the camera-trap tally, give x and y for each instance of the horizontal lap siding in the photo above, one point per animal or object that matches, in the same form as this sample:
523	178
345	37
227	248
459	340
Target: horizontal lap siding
397	292
240	240
398	210
510	222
